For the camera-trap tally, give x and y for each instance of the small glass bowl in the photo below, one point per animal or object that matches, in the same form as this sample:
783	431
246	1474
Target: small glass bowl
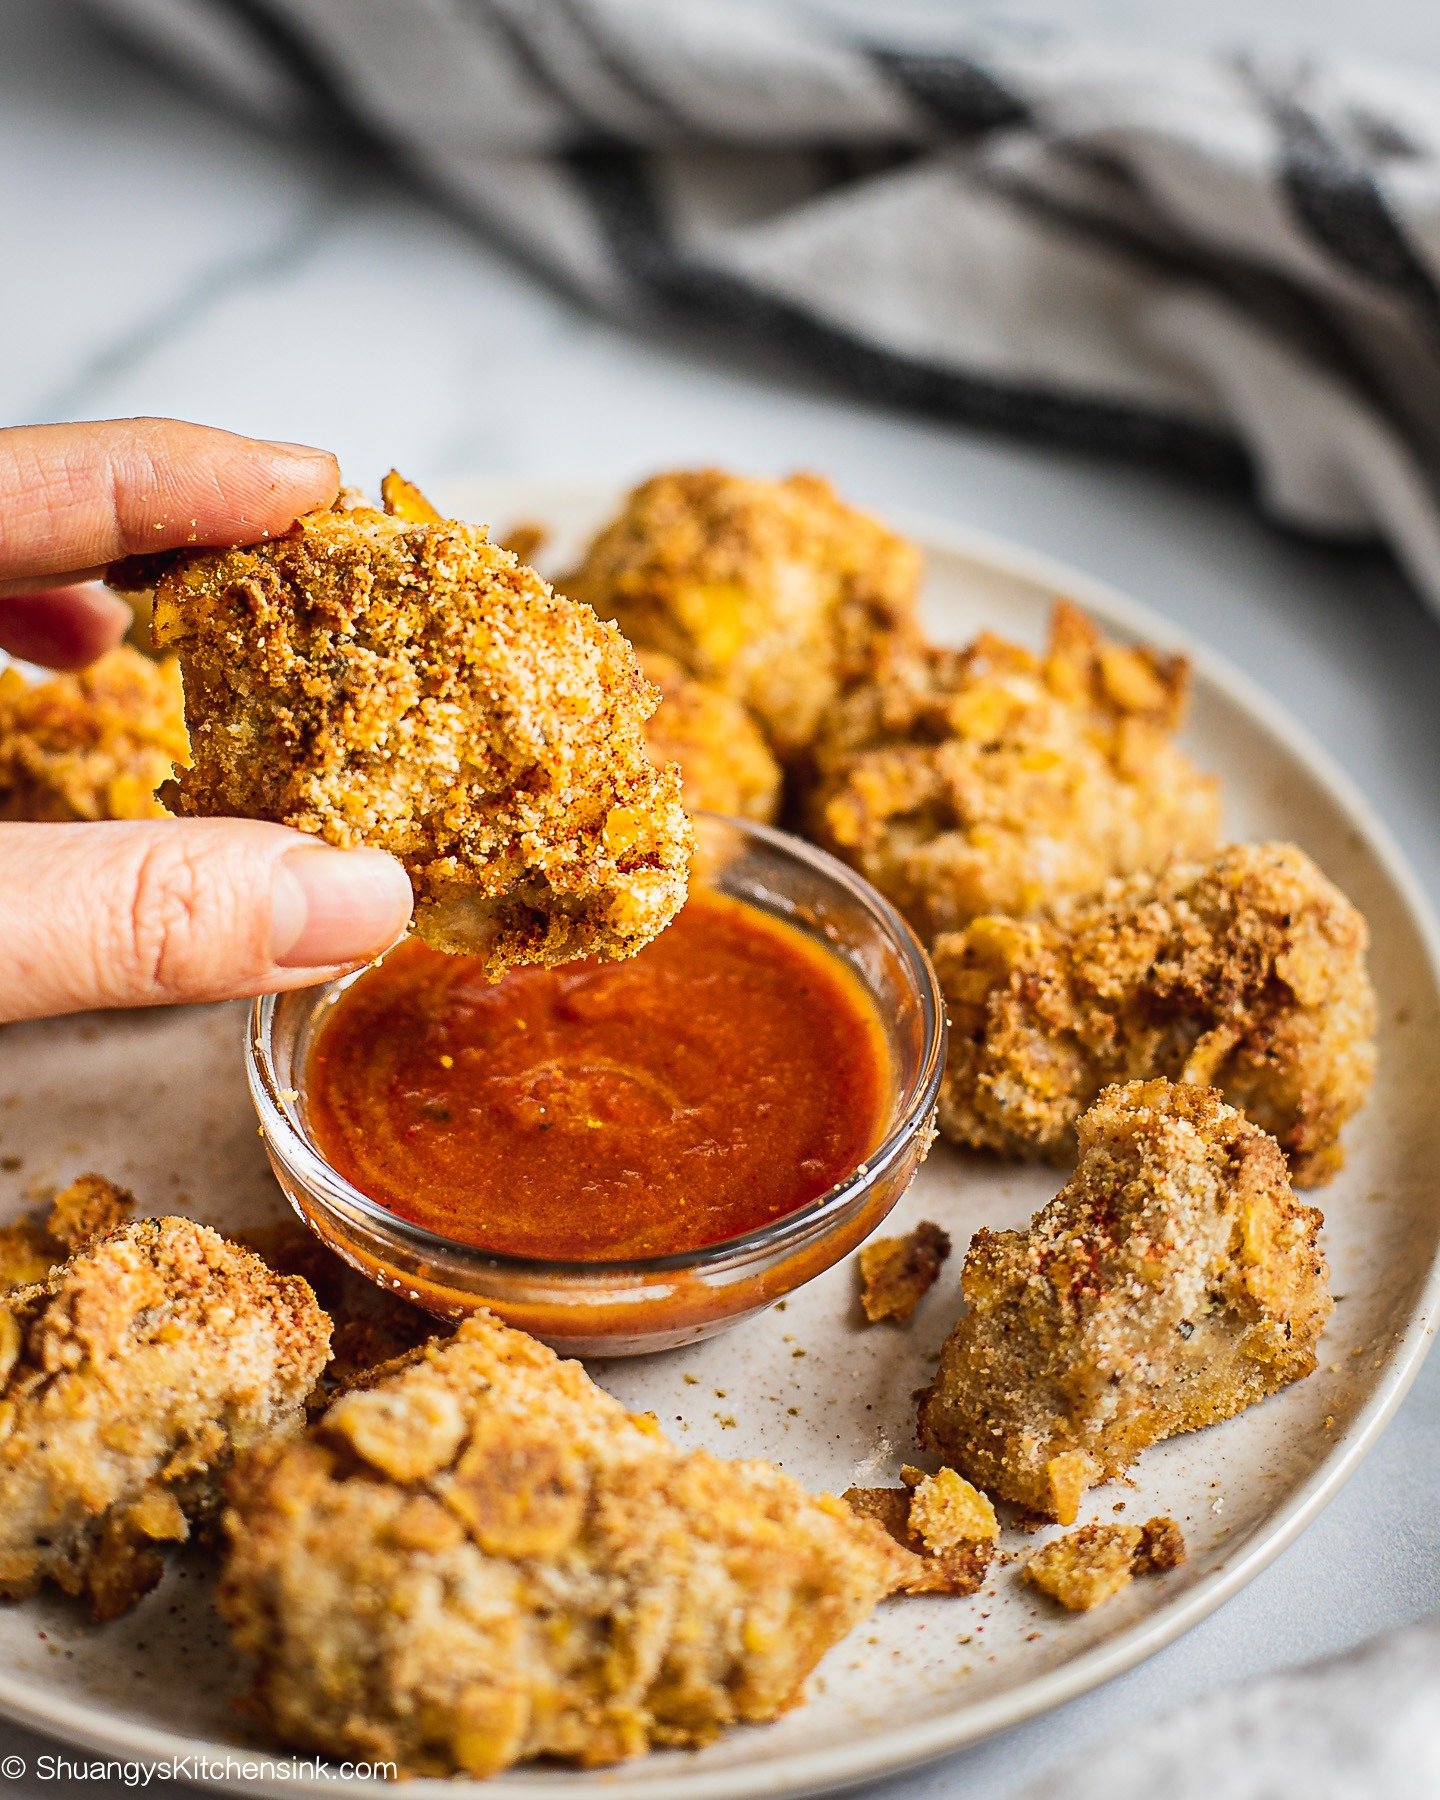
639	1305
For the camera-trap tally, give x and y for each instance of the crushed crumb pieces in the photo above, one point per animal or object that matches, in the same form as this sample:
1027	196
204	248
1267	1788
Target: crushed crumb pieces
957	1568
1087	1567
897	1272
946	1510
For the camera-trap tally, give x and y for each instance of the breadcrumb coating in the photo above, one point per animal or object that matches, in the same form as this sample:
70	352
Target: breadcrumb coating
1246	974
1085	1568
1172	1282
775	591
482	1558
93	745
32	1245
386	679
988	779
725	763
896	1273
131	1376
369	1324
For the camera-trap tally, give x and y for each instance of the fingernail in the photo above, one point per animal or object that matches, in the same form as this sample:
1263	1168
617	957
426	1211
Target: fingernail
336	906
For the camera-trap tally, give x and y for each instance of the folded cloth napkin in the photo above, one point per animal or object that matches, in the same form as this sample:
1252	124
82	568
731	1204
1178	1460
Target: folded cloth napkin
1362	1726
1225	263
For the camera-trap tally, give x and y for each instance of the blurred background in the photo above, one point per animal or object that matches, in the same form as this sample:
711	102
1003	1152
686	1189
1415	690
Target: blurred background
169	253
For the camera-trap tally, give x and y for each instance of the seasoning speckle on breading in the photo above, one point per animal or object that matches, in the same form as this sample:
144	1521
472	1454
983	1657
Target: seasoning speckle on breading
400	681
1172	1282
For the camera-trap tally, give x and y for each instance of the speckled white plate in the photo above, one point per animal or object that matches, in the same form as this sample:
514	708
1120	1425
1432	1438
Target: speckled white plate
158	1100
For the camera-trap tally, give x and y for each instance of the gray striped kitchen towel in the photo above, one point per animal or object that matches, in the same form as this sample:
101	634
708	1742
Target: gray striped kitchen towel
1226	263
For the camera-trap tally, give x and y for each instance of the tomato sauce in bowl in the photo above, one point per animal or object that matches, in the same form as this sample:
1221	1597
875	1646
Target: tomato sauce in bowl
732	1072
618	1158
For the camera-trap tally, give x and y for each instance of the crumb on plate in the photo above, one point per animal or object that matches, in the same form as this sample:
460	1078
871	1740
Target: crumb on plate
897	1272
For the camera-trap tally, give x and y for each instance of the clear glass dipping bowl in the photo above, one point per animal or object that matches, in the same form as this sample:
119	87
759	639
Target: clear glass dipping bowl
630	1308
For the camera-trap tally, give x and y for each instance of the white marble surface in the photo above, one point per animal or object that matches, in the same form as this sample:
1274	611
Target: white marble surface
164	258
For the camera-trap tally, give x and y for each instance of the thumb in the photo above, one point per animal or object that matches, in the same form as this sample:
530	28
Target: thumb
122	914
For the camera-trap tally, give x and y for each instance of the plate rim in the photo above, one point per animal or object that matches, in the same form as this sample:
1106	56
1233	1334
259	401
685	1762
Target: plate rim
792	1775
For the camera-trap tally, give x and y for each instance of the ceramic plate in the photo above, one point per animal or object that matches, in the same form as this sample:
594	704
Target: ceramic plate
158	1100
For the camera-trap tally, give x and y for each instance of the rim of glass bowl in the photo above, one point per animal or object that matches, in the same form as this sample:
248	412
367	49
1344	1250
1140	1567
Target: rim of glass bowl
296	1150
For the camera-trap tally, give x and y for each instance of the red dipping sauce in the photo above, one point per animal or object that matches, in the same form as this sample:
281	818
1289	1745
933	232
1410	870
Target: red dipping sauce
724	1077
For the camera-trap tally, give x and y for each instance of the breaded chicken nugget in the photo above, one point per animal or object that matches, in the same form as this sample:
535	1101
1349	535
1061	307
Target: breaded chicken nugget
1173	1281
131	1376
990	780
380	678
482	1558
775	591
1246	974
725	763
94	745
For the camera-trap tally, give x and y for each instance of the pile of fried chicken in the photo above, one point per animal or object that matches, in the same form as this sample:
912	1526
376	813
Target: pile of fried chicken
455	1552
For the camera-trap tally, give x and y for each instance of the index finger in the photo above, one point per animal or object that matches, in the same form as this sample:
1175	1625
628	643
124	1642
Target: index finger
81	496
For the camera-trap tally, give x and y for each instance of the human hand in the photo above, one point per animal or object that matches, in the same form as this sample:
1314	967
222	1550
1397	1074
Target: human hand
154	912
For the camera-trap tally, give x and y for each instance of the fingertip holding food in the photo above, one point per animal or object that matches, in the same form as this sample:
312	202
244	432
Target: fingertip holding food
333	907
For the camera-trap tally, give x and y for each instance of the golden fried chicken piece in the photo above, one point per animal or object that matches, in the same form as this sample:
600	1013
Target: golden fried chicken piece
896	1273
482	1558
1085	1568
88	1208
131	1376
379	679
725	763
987	779
1246	974
775	591
93	745
1172	1282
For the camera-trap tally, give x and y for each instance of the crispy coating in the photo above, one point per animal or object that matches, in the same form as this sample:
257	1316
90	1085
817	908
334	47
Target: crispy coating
32	1246
132	1375
725	763
1246	973
1085	1568
1172	1282
987	779
369	1323
896	1273
482	1558
379	679
775	591
93	745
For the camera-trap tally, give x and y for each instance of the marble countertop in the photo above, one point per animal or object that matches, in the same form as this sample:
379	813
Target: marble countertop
165	258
